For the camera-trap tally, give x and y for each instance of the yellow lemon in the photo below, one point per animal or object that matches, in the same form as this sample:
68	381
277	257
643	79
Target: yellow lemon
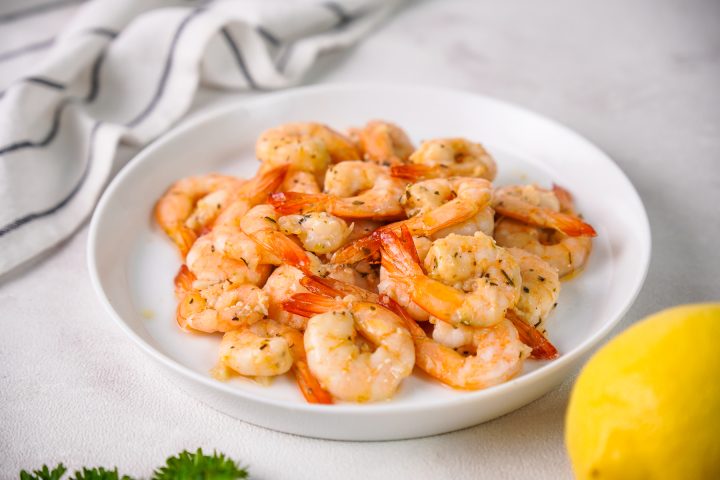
647	405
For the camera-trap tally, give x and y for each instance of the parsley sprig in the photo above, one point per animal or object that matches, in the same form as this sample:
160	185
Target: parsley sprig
183	466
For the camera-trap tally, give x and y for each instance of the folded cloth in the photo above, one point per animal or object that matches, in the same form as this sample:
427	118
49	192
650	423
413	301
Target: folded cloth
126	71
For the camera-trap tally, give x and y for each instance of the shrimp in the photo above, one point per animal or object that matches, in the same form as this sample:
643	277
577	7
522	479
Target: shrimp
457	337
383	143
336	360
498	352
178	203
285	281
222	307
300	181
471	281
282	284
468	206
498	356
539	207
447	157
261	224
540	288
566	254
253	192
354	189
227	254
319	232
267	349
468	199
308	147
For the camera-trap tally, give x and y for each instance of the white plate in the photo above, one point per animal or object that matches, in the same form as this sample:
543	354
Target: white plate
132	264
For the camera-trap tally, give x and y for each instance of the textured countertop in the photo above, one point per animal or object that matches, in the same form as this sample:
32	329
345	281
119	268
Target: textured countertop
640	79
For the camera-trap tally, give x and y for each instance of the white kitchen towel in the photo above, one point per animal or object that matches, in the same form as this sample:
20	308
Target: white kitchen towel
127	71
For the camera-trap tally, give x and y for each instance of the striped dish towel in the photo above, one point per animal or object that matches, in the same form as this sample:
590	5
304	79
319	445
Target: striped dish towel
125	71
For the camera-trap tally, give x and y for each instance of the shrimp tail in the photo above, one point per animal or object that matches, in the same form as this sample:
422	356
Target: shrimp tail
415	330
573	226
397	257
259	187
542	349
357	251
321	286
329	287
309	385
183	281
413	171
308	304
282	246
295	202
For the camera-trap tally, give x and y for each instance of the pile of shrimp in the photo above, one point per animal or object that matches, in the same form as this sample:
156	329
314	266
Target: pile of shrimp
350	260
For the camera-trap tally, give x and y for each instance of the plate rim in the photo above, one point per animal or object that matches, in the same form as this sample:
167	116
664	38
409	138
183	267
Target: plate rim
211	113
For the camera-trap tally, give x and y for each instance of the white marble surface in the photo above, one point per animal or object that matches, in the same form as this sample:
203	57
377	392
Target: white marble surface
638	78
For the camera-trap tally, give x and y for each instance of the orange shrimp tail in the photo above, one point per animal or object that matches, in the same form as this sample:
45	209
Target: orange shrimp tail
279	244
573	226
183	281
564	197
357	251
295	202
266	183
321	286
309	385
397	258
329	287
308	304
410	323
542	349
413	171
407	240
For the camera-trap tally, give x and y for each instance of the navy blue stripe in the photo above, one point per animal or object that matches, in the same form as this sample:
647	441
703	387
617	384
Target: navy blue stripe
44	81
55	126
36	9
268	36
238	58
343	17
49	211
166	70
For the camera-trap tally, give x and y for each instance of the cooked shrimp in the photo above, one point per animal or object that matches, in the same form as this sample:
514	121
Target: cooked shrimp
470	280
536	206
319	232
467	211
308	147
498	356
566	254
355	189
285	281
540	288
261	224
336	360
383	143
253	192
448	157
468	200
222	307
178	203
300	181
267	349
227	254
282	284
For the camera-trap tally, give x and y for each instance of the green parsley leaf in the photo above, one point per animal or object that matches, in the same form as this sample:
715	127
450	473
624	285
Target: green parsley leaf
98	473
198	466
44	473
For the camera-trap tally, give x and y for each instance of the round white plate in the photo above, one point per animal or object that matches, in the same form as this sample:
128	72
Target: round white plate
132	263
